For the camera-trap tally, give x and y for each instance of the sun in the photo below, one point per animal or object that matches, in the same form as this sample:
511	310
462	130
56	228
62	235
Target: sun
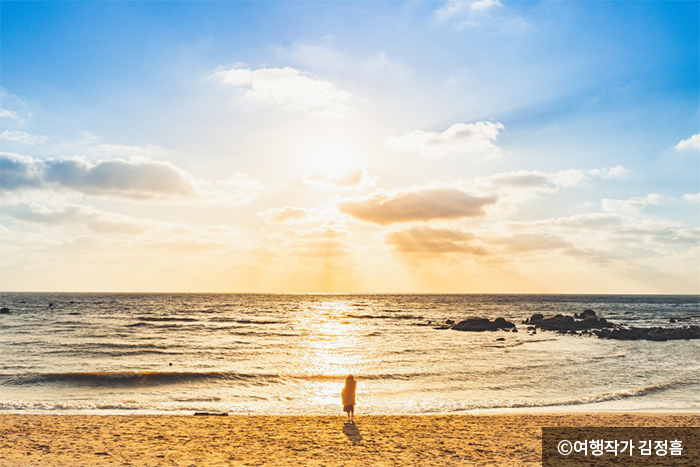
330	156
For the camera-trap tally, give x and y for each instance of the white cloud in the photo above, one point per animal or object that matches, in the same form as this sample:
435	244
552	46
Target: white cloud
609	172
690	144
9	114
288	88
462	8
692	197
22	137
349	178
467	139
123	150
321	56
632	205
239	188
72	215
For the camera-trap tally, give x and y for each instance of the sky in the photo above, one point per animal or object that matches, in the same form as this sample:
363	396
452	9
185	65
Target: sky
458	146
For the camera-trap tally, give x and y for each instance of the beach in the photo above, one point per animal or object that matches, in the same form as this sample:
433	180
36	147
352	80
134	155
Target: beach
484	439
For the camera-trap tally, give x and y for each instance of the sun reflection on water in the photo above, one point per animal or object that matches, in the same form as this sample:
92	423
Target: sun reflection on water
329	350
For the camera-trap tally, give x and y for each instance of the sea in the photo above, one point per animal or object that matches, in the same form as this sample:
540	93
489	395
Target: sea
289	354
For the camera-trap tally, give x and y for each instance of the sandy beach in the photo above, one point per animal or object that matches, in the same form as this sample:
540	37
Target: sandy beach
47	440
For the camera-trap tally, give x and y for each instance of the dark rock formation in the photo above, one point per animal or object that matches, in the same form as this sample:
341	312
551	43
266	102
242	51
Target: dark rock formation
534	318
650	334
585	321
501	339
482	324
4	310
585	315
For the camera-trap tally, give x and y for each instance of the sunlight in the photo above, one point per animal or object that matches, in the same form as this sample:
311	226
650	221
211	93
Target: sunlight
328	351
330	156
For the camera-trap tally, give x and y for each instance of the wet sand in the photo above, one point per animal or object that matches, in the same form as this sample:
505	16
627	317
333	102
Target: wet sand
89	440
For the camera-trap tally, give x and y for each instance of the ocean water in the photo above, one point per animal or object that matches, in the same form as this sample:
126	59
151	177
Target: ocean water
289	354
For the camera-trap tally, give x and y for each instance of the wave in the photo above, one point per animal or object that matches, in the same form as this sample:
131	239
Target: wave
130	378
139	378
164	318
383	316
244	321
589	399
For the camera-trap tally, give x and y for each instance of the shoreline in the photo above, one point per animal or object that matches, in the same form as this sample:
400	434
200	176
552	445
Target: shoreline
467	439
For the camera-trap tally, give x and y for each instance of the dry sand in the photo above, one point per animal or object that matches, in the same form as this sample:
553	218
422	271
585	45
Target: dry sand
96	440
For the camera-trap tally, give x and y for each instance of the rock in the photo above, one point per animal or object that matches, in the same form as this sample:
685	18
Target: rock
482	324
672	320
586	314
450	321
4	310
474	324
570	323
503	324
501	339
534	318
514	330
658	334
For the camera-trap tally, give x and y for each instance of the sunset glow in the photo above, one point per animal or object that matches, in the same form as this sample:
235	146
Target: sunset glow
452	146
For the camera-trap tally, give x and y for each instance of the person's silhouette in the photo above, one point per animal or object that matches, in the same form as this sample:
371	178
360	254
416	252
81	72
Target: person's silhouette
348	396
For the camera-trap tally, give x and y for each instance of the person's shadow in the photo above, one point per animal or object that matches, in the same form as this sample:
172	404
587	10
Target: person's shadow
352	432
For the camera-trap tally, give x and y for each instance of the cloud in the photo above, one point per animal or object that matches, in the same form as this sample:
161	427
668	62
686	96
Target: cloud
239	188
322	56
690	144
286	87
608	172
532	242
522	181
122	150
350	178
285	215
632	205
421	204
22	137
587	221
11	115
461	8
431	241
692	197
461	138
134	178
72	215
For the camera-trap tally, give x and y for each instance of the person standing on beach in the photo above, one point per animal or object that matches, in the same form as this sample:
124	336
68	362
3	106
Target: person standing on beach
347	395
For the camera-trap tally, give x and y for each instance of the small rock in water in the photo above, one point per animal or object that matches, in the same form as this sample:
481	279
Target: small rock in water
482	324
4	310
501	339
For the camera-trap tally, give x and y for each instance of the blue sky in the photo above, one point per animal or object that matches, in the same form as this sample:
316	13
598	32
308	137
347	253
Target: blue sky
304	142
